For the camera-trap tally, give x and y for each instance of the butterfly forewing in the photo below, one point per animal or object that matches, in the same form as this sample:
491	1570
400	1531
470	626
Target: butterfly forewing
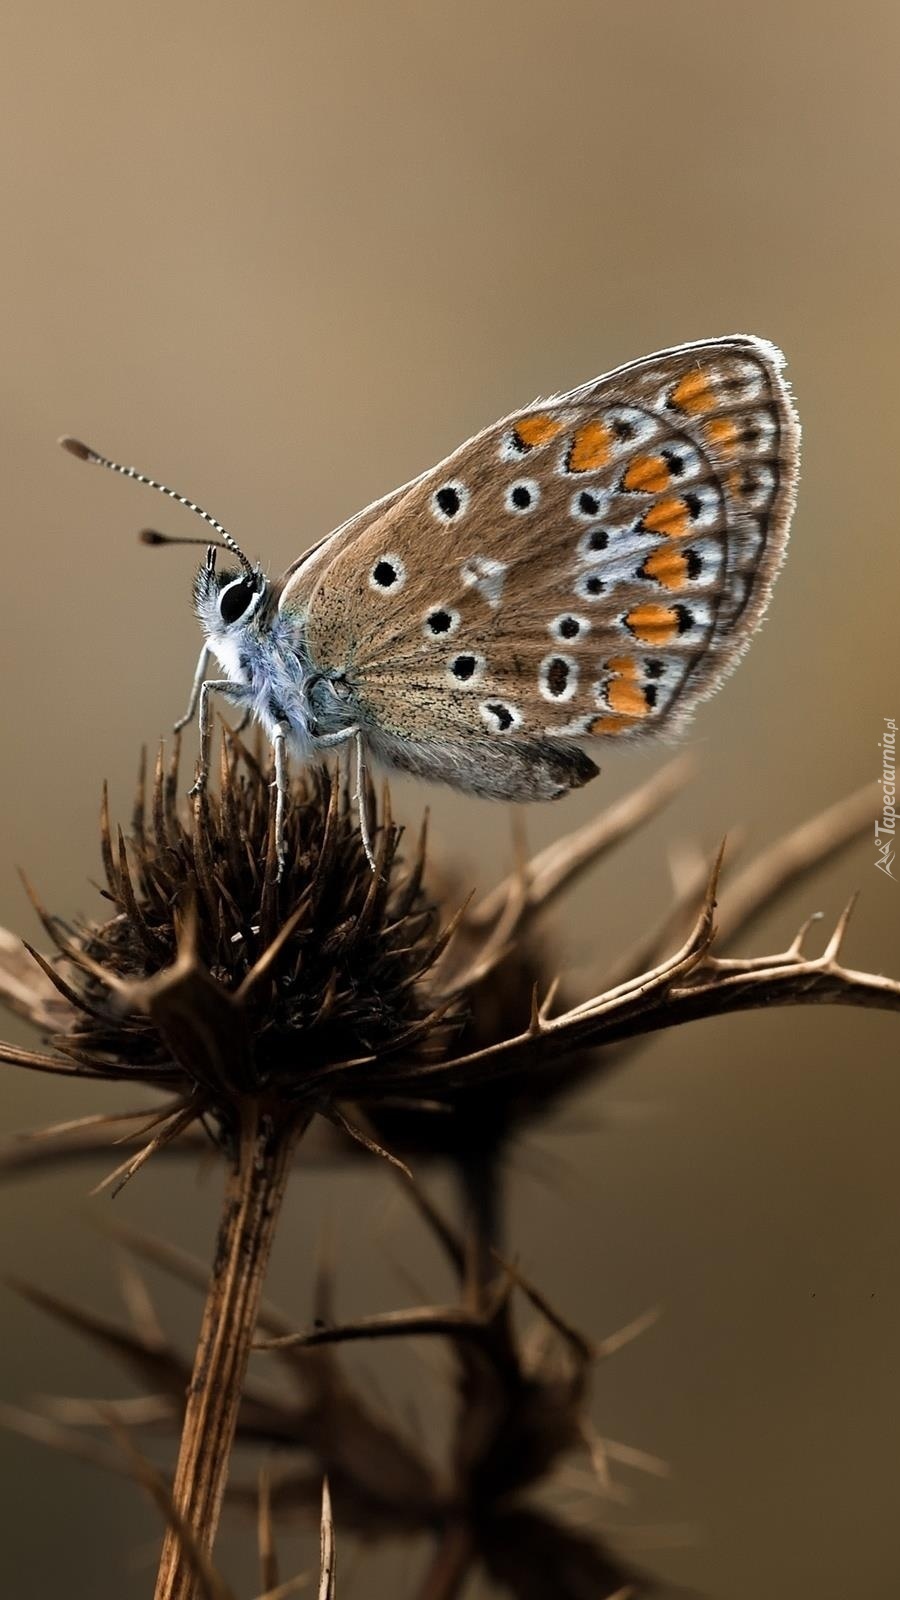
590	566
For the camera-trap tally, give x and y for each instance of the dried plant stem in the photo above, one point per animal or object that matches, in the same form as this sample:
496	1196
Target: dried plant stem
250	1209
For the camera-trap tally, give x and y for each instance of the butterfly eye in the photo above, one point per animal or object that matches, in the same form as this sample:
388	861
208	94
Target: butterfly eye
235	598
341	687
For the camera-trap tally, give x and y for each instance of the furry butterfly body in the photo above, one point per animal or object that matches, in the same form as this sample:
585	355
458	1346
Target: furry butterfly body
586	569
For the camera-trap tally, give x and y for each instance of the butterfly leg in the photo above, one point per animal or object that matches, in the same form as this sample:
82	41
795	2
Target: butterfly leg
196	686
362	808
211	686
327	741
279	745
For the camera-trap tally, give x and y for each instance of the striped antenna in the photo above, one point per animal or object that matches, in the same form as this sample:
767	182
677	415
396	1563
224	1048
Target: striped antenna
85	453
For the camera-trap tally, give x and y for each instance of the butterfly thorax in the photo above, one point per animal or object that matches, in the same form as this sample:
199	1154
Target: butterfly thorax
280	685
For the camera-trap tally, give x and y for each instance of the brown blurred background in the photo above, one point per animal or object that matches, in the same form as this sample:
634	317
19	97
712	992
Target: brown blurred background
286	256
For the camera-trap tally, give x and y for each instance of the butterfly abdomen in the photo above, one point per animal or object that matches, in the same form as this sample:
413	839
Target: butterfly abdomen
511	769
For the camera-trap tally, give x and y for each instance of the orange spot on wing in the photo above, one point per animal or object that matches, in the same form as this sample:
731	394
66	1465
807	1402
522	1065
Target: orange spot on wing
623	666
647	475
653	624
537	430
591	446
668	517
626	699
666	566
722	433
693	393
602	725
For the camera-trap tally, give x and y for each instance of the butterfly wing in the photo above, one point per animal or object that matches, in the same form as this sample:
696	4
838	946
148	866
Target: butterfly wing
592	566
295	586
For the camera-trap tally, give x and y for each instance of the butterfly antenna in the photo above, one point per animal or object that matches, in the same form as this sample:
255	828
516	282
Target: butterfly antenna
153	536
85	453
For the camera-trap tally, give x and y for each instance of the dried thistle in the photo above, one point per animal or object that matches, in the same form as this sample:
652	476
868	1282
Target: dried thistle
244	998
254	1004
213	981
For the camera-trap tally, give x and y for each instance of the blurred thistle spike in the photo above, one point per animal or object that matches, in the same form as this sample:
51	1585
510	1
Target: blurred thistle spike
327	1576
84	452
265	1532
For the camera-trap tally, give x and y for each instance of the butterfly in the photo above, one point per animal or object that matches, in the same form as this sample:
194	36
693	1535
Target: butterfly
588	568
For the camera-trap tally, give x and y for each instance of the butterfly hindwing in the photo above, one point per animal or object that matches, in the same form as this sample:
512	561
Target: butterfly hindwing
590	566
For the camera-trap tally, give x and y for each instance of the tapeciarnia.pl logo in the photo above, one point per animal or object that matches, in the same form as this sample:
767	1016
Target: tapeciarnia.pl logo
885	829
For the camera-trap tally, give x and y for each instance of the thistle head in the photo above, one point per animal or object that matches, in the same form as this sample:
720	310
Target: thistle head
211	977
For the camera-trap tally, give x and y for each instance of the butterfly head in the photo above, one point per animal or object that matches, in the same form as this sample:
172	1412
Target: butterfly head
229	600
225	601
